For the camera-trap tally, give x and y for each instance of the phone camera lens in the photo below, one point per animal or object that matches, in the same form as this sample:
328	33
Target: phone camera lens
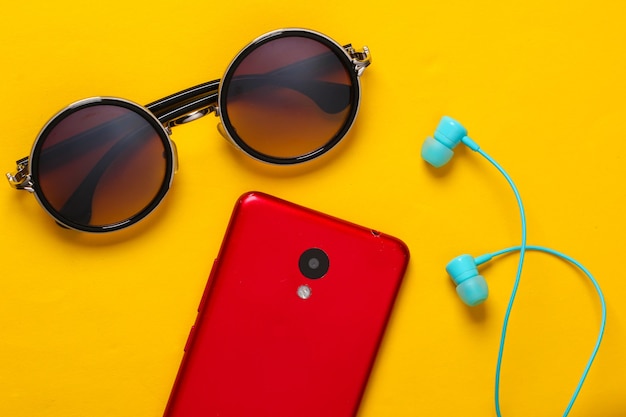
314	263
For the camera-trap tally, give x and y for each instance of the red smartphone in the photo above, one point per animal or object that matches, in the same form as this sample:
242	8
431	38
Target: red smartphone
292	315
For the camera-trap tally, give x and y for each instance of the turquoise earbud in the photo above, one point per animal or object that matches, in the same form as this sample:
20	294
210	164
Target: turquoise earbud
470	286
437	150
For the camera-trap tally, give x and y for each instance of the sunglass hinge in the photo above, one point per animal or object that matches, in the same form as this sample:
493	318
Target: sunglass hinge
21	180
360	59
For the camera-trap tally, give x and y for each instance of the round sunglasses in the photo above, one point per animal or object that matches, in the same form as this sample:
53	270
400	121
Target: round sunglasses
104	163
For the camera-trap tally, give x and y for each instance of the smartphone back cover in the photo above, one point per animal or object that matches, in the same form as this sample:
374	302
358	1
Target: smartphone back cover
257	347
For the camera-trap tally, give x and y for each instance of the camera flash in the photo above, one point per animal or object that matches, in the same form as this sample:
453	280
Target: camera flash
304	291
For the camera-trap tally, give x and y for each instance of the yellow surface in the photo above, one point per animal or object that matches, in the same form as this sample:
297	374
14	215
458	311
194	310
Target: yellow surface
95	325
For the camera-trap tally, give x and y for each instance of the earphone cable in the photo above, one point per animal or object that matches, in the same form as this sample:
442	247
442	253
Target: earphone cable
520	265
522	249
596	285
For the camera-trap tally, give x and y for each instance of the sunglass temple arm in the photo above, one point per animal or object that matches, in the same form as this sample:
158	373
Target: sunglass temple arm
187	105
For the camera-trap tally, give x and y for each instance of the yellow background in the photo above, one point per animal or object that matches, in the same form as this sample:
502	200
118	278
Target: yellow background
95	325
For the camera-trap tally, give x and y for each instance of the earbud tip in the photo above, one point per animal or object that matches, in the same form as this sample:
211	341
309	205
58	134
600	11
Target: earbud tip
436	153
473	291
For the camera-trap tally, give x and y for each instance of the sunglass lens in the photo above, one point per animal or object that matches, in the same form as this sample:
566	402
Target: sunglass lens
288	97
100	167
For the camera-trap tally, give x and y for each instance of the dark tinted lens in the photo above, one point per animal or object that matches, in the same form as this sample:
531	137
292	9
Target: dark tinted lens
100	165
289	97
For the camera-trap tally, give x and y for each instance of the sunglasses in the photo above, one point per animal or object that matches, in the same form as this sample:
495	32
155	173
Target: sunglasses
104	163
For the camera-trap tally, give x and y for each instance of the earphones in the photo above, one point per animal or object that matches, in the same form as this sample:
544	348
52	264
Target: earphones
472	287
